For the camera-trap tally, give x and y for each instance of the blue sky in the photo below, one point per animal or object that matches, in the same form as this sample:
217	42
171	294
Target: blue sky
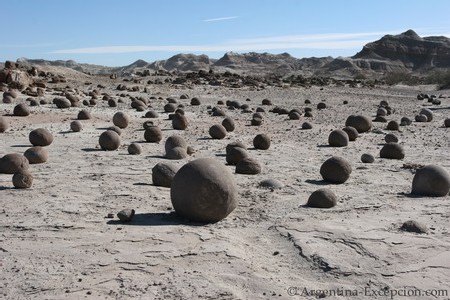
118	32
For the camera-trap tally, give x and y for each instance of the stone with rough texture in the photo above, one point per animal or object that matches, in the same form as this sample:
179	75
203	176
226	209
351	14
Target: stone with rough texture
338	138
13	163
431	180
217	131
359	122
261	141
22	180
322	198
204	190
336	170
249	166
109	140
121	120
3	124
392	151
36	155
126	215
40	137
163	173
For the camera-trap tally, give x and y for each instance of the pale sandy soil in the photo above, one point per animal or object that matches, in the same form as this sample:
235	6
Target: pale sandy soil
56	242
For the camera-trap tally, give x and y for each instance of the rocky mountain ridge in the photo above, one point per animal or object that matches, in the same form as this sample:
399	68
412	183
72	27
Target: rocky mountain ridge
406	52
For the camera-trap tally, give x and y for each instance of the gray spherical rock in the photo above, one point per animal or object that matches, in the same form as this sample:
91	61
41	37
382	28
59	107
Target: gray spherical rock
322	198
421	118
392	151
381	111
217	131
367	158
40	137
351	132
126	215
121	120
306	125
446	123
13	163
390	138
336	170
248	166
62	103
22	180
175	141
134	149
177	153
235	155
228	123
431	180
204	190
393	125
151	114
261	141
179	122
235	144
163	173
338	138
427	112
21	110
359	122
405	121
195	101
76	126
84	115
169	107
109	140
153	134
3	124
36	155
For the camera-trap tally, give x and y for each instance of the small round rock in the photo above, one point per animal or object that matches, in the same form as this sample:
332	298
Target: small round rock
22	180
76	126
322	198
249	166
367	158
414	226
126	215
432	181
392	151
40	137
163	173
134	149
336	170
261	141
217	131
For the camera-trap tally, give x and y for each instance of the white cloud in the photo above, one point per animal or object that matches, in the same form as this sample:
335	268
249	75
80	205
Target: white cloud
312	41
221	19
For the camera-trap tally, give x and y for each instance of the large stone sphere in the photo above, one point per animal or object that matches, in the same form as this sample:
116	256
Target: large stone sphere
322	198
229	124
217	131
179	122
109	140
76	126
13	163
261	141
163	173
21	110
121	120
338	138
175	141
431	180
40	137
22	180
204	190
153	134
351	132
36	155
336	170
360	123
392	151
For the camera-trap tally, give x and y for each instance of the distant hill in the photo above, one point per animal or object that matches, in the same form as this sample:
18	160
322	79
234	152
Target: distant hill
406	52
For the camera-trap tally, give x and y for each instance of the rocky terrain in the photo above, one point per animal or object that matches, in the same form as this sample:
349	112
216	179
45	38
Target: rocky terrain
86	213
406	52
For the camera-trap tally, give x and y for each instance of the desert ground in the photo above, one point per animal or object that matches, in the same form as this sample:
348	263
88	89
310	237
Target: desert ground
57	241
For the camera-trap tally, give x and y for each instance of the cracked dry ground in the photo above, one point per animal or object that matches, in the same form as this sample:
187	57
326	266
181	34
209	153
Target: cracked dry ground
57	244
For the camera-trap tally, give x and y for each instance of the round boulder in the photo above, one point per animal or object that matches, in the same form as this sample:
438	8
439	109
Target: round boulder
235	155
134	149
76	126
121	120
163	173
179	122
177	153
367	158
306	125
22	180
36	155
391	138
338	138
261	141
228	123
217	131
446	123
195	101
421	118
204	190
359	122
62	103
175	141
336	170
427	112
248	166
153	134
109	140
84	115
13	163
392	151
432	181
21	110
351	132
393	125
322	198
40	137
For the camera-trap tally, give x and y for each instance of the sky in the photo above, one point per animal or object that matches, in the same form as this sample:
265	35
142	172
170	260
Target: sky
119	32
